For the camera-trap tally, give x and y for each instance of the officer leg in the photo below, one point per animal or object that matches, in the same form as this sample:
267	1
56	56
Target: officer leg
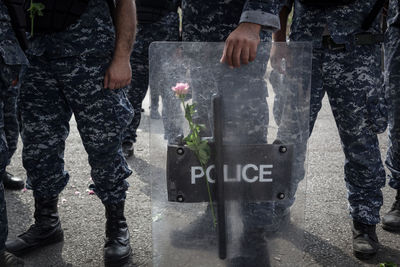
102	116
12	132
164	30
45	118
168	30
246	121
349	77
6	259
290	123
391	220
138	87
171	111
154	99
317	87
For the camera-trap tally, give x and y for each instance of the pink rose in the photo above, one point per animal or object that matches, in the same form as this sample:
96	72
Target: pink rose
181	89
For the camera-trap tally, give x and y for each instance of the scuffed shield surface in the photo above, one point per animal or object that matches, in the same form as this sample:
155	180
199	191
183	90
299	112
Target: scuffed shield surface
265	127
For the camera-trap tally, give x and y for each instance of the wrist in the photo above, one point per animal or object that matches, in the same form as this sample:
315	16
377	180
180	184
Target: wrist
121	58
251	26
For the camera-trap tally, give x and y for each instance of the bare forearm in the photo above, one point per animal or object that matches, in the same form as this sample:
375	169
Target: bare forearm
125	28
119	73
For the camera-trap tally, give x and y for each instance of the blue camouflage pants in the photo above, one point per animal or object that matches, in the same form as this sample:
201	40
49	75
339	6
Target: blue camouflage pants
167	29
7	74
353	82
3	163
54	89
11	129
392	59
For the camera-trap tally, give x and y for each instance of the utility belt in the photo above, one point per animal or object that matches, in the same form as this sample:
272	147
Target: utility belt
358	39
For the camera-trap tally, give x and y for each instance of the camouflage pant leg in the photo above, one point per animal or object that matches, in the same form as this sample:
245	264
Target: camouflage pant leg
11	127
392	59
7	74
246	121
161	81
164	30
349	77
292	114
276	80
102	116
3	162
3	218
136	91
245	111
171	112
45	116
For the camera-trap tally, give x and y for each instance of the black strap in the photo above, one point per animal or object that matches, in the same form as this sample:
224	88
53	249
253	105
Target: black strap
379	4
18	20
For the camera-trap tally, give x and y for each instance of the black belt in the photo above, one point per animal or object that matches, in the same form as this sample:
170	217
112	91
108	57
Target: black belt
328	43
359	39
368	38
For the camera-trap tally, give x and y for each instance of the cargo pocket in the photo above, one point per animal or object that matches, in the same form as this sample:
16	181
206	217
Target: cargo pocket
377	109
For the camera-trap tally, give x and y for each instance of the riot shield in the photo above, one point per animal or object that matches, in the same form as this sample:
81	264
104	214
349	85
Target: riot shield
242	204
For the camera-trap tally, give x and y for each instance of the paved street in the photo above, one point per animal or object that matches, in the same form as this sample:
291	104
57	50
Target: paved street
328	235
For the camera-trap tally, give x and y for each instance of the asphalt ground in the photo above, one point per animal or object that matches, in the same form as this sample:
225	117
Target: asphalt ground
327	224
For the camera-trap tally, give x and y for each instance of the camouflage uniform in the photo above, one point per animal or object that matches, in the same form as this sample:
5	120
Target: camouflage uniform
11	127
392	61
213	21
353	81
66	76
166	29
11	57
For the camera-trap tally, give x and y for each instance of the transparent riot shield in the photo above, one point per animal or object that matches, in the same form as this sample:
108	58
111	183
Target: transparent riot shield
245	205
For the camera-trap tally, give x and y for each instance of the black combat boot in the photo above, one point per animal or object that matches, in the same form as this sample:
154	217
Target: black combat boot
365	240
45	231
391	220
9	260
117	248
12	182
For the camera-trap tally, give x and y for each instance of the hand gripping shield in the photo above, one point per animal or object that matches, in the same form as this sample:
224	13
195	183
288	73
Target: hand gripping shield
237	197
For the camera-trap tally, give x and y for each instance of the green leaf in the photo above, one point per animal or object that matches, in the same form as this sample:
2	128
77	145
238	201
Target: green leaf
35	9
192	146
204	152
